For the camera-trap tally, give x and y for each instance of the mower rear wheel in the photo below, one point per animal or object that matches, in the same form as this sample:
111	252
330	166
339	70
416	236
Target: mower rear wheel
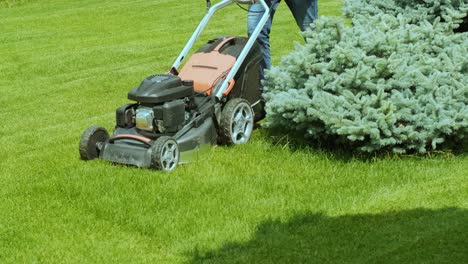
91	141
165	154
237	121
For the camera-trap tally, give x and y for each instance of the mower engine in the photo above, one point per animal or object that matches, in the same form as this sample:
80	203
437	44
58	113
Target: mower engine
164	105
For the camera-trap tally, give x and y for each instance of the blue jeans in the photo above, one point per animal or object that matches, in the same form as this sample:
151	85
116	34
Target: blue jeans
304	11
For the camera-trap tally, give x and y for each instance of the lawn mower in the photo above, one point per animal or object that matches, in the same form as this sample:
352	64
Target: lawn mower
213	99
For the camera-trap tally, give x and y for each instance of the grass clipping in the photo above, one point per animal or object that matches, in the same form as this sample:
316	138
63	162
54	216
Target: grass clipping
383	84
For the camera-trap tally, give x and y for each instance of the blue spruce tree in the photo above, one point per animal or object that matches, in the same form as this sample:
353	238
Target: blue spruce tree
397	79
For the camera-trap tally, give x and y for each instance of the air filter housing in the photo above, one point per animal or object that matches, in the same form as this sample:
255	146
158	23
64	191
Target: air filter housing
158	89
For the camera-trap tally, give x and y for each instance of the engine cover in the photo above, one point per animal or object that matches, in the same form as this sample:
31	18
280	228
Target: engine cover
161	88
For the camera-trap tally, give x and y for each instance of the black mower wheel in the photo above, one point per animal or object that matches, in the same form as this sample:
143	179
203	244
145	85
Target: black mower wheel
237	122
165	154
89	141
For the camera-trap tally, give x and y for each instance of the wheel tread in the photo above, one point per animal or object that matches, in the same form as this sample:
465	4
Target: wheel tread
156	151
224	131
91	136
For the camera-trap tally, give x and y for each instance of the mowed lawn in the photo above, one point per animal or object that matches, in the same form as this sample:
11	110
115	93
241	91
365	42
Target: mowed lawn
68	64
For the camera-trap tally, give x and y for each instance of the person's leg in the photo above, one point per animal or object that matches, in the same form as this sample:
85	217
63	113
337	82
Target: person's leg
255	15
304	11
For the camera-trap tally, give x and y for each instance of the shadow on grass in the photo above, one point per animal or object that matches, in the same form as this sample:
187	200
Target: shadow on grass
338	150
413	236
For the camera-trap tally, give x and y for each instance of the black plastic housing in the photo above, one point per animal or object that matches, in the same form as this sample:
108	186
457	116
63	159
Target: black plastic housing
174	115
161	88
124	115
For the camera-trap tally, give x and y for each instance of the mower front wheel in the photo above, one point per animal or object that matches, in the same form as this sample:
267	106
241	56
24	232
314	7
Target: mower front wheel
237	121
90	142
165	154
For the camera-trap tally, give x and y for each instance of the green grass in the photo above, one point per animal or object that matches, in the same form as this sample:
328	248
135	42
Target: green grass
66	65
12	3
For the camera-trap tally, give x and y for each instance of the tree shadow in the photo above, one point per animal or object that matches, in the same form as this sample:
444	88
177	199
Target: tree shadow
329	147
345	151
413	236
